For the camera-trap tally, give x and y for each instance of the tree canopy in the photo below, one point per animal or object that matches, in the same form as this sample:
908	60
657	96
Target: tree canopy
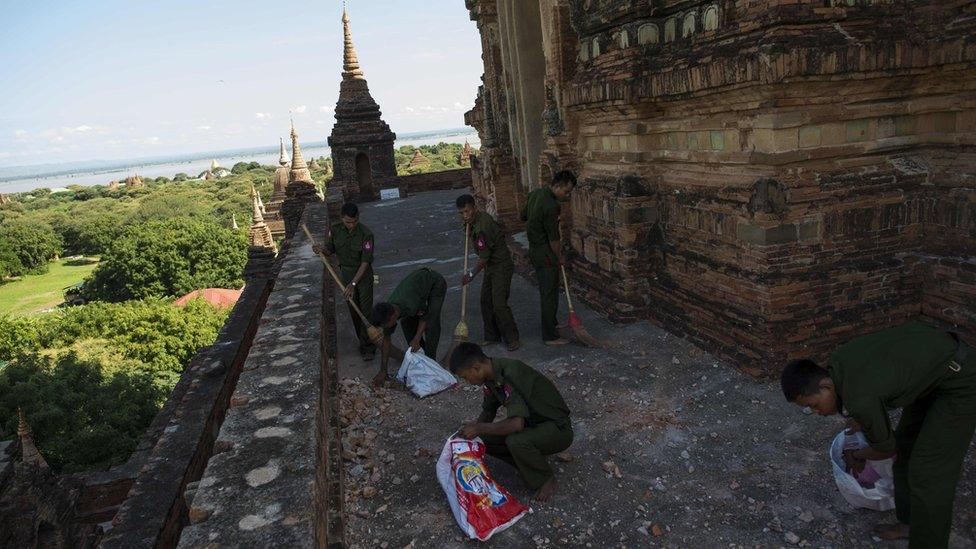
169	258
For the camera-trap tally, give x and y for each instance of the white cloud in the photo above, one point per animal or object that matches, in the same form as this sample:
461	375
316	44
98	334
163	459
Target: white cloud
204	128
20	133
83	128
262	115
326	108
409	109
458	105
299	109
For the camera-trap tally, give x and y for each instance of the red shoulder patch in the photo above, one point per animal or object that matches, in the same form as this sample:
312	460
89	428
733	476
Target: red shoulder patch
486	390
367	245
480	243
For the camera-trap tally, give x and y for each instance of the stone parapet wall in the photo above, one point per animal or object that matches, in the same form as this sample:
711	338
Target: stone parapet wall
436	181
182	435
274	480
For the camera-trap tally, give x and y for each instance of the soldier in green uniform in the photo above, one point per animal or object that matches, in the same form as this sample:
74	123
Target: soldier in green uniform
494	258
928	373
541	215
416	303
353	243
537	422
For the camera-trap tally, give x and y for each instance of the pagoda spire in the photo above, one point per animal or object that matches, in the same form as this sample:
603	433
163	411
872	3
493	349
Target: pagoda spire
283	158
260	233
299	170
28	451
350	60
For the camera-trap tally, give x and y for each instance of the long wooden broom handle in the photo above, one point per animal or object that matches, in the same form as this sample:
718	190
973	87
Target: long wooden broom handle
464	288
569	300
328	265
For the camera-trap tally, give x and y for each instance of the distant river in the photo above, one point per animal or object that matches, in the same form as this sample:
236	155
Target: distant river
194	165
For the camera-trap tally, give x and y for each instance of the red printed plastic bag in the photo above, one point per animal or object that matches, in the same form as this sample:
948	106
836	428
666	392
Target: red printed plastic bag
480	506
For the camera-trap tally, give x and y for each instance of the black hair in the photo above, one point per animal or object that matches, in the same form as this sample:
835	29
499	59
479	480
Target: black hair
564	177
464	200
381	313
350	210
465	356
801	378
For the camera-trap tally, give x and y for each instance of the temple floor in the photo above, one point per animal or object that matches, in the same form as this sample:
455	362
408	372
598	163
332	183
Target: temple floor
673	448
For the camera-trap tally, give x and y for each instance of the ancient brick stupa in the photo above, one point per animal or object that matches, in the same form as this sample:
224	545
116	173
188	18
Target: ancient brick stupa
466	153
280	177
28	451
362	144
260	234
418	160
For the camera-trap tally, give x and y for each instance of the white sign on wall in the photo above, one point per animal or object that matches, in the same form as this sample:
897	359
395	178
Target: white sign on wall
387	194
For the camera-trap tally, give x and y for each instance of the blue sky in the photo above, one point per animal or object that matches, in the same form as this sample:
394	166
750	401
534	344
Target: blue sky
85	80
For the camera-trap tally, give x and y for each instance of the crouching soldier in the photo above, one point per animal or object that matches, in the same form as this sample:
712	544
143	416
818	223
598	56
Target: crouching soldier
416	304
537	422
928	373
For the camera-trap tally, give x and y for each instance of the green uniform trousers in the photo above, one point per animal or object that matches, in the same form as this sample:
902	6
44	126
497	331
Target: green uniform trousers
931	440
527	449
432	335
363	297
495	312
548	278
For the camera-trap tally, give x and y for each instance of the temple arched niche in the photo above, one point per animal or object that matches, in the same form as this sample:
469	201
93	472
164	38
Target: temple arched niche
364	174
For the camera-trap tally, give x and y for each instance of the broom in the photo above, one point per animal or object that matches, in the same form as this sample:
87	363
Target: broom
575	322
375	334
461	330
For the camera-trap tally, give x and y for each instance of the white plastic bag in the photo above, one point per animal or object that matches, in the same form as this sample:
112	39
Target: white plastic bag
882	496
481	507
423	375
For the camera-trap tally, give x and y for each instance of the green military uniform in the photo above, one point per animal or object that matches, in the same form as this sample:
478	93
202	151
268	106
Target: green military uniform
915	367
354	248
420	296
548	430
491	247
542	227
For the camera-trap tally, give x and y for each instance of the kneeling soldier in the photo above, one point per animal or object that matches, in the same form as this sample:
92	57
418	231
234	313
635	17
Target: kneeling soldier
537	422
416	303
928	373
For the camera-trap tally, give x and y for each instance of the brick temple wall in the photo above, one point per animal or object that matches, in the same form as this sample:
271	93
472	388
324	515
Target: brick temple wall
766	178
436	181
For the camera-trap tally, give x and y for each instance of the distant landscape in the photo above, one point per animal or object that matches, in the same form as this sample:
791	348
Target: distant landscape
93	172
90	342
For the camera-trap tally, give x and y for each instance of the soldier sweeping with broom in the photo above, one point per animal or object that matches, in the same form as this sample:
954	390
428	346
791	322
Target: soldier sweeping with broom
352	242
494	258
541	215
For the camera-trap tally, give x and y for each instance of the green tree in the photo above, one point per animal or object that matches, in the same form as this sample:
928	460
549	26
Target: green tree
18	337
92	234
82	414
91	378
166	258
34	242
10	264
240	168
180	177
